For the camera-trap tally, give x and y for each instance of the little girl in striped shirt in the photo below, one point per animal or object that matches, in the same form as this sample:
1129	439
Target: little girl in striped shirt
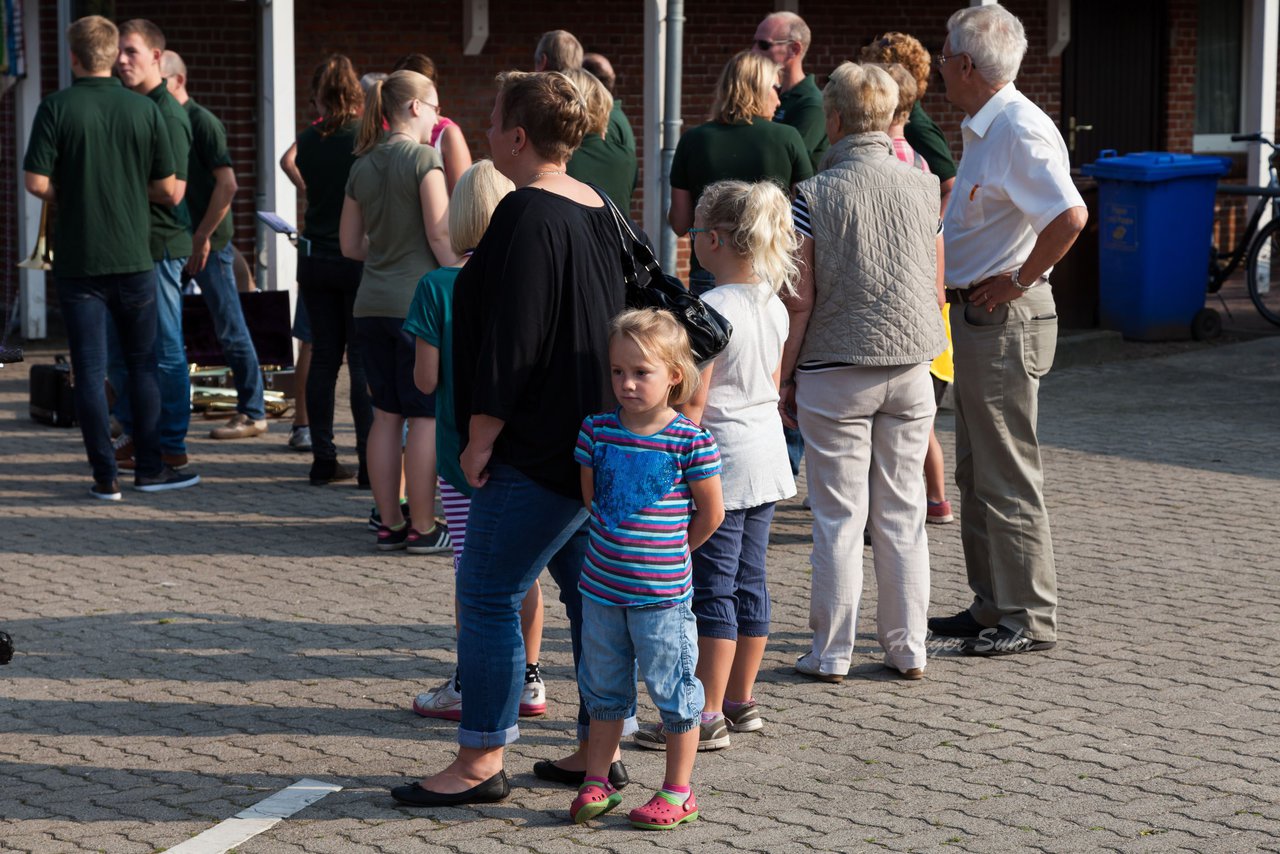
644	468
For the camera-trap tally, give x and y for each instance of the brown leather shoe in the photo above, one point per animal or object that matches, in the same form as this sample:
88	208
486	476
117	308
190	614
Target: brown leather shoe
910	674
173	461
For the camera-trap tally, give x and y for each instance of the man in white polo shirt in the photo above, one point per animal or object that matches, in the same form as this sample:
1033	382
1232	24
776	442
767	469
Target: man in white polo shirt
1013	214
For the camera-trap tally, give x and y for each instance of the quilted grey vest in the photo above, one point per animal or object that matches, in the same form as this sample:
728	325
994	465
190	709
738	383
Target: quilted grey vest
875	224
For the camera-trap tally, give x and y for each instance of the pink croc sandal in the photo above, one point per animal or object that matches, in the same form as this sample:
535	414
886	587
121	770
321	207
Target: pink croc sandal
662	813
593	800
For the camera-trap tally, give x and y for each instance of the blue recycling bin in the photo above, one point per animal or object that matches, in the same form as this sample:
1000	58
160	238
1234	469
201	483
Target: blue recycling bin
1155	212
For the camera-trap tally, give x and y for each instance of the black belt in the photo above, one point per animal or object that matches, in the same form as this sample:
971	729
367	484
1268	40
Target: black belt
959	295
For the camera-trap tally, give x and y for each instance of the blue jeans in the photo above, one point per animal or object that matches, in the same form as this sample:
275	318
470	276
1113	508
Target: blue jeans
730	595
795	448
171	360
516	527
218	285
130	302
663	639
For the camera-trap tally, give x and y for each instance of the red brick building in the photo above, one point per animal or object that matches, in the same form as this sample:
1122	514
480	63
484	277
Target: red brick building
1145	74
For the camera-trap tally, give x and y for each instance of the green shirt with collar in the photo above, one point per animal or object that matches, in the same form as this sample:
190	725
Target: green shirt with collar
100	145
609	163
171	226
927	139
208	153
801	107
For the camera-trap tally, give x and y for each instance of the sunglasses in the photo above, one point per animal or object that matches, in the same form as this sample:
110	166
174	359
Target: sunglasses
768	44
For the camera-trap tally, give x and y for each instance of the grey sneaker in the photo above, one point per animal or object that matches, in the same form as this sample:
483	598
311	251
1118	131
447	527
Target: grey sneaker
300	438
712	735
745	719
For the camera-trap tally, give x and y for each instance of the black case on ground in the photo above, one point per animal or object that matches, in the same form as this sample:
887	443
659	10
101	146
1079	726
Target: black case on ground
52	398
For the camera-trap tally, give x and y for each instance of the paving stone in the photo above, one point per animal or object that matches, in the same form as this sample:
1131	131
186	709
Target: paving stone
182	656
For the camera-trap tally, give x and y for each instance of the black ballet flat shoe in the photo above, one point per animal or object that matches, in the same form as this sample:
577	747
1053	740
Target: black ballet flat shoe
545	769
496	788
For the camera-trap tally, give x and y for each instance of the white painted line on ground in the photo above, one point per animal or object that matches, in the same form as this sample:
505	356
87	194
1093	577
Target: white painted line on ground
262	816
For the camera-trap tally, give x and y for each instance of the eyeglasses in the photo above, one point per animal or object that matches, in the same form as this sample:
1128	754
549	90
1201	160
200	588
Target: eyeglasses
767	45
943	58
694	232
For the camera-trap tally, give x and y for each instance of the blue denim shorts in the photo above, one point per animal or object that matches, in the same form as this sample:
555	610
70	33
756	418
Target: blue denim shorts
388	353
663	639
730	590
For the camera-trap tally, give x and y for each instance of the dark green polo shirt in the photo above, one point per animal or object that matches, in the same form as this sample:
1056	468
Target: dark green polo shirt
754	151
619	130
608	165
325	162
100	144
170	226
208	152
801	107
927	139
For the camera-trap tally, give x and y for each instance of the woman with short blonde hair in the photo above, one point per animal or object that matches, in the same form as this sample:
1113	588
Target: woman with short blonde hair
531	360
740	142
855	374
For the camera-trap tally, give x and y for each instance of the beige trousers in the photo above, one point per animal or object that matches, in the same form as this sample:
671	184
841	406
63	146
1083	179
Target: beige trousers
1000	357
866	431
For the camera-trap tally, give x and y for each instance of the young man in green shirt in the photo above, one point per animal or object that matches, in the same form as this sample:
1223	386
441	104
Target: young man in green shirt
784	38
138	66
211	185
97	149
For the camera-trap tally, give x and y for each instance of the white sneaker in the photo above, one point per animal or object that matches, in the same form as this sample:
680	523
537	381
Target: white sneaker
440	702
533	699
300	438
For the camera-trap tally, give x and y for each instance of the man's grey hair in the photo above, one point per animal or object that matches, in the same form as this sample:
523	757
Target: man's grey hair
171	65
992	37
561	50
797	29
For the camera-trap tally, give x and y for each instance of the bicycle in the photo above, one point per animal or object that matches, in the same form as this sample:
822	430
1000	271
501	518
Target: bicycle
1258	249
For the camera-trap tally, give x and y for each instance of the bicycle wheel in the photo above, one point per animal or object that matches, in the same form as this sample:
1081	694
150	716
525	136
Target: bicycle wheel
1263	268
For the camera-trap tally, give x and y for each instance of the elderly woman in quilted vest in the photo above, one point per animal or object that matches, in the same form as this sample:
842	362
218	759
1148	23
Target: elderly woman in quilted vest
855	374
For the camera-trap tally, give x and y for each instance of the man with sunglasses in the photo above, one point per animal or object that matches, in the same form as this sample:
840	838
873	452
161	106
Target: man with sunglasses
784	38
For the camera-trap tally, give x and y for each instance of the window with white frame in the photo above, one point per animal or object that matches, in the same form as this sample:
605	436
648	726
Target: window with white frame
1220	55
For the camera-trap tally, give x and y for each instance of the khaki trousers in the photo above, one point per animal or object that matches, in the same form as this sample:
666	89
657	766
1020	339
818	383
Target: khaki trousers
1000	357
866	432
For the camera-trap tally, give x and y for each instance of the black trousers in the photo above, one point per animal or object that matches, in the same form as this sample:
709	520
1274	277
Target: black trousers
328	285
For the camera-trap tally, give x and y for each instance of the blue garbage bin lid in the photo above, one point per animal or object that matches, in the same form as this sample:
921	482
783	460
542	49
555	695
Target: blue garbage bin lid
1153	166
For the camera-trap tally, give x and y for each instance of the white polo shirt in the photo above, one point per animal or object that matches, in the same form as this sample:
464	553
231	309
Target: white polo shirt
1014	179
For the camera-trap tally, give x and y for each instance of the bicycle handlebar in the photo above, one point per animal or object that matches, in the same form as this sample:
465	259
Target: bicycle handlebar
1247	137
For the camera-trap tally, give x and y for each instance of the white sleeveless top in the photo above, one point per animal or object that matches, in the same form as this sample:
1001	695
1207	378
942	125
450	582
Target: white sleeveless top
742	403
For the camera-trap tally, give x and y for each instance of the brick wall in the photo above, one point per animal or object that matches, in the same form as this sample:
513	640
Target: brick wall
219	41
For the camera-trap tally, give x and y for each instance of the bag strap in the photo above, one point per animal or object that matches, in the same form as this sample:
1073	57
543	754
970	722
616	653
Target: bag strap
635	254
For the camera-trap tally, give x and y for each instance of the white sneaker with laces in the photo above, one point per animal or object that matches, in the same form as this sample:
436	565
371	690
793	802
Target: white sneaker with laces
533	699
440	702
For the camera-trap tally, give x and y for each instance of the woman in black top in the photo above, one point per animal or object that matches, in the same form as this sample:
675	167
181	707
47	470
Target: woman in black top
327	280
531	360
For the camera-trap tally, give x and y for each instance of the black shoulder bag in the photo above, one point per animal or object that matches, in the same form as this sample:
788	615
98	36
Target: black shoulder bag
649	287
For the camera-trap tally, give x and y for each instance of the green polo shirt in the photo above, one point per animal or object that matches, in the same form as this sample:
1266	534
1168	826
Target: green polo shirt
171	226
208	152
801	107
927	139
609	166
100	145
749	151
619	130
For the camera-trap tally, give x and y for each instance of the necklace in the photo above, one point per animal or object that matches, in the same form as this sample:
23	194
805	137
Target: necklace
537	175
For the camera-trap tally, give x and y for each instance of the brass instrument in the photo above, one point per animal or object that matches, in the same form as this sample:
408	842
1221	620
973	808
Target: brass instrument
42	255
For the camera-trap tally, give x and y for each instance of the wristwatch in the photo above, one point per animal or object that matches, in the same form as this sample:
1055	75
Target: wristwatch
1017	283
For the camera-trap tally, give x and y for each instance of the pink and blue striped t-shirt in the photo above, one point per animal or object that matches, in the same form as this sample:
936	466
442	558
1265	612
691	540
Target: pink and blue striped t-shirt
639	541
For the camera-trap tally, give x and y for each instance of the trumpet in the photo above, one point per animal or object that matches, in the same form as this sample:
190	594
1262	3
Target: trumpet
209	399
42	255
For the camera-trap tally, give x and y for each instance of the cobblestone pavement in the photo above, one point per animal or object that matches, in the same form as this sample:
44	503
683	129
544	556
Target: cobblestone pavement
183	655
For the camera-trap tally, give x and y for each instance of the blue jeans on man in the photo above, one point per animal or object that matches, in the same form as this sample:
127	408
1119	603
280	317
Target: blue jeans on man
171	359
128	300
217	283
